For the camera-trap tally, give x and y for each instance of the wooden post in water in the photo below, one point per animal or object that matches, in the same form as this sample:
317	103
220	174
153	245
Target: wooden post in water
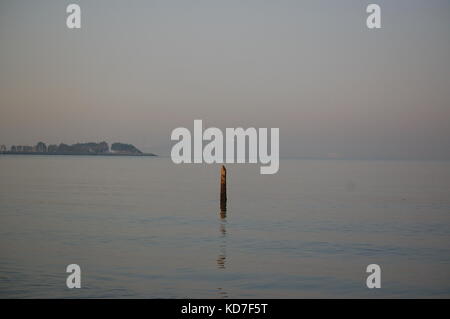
223	190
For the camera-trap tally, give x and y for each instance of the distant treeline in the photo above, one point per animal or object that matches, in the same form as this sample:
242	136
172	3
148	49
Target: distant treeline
90	148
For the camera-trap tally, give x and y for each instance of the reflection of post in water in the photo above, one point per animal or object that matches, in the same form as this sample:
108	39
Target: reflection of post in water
222	293
223	190
223	232
221	261
223	249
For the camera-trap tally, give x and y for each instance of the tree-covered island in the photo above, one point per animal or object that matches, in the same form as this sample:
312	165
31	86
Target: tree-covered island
91	148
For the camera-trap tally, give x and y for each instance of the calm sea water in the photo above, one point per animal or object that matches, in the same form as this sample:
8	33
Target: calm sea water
147	228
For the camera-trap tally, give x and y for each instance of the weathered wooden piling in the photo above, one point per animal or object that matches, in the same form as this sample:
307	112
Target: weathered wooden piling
223	189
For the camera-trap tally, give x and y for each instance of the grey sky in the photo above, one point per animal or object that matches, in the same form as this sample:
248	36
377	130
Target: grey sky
138	69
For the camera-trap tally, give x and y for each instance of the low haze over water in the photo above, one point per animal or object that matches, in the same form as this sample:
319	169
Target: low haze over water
146	228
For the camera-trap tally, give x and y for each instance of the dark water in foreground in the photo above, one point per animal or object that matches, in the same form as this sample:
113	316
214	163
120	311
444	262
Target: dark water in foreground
146	228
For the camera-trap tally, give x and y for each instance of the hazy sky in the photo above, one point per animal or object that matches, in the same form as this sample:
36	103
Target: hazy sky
138	69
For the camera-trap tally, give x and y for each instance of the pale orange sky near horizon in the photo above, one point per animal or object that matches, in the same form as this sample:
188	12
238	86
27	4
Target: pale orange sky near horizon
138	69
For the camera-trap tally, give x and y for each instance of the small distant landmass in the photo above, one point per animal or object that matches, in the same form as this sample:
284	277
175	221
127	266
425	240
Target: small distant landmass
91	148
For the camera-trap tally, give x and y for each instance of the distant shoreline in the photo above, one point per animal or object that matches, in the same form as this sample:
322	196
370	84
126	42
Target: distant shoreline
78	149
77	154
